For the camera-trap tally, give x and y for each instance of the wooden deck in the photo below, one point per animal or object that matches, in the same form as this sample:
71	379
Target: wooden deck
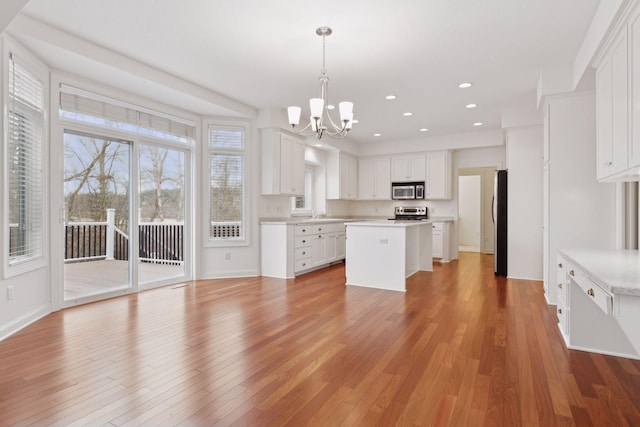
93	277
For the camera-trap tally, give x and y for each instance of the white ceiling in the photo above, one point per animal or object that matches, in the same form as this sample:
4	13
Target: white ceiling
265	53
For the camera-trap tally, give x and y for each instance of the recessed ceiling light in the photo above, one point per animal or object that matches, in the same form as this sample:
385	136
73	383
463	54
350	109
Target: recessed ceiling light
424	130
471	106
477	124
390	97
331	107
355	121
407	114
465	85
377	134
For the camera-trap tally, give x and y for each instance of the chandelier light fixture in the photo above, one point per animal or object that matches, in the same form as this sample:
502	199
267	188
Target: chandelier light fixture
320	118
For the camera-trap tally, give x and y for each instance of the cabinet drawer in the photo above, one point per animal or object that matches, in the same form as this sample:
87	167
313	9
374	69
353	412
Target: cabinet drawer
302	241
303	230
563	318
301	264
437	226
302	253
561	269
599	296
563	290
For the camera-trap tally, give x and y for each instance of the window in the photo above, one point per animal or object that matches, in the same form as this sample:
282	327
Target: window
25	106
304	204
226	183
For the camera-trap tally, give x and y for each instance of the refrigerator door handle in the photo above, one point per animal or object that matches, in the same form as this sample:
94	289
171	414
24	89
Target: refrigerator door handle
493	209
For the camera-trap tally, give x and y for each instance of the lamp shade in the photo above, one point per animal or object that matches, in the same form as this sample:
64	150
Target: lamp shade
346	110
315	106
294	115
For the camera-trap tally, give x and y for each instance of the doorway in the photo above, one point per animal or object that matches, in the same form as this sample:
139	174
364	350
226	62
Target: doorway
475	225
469	209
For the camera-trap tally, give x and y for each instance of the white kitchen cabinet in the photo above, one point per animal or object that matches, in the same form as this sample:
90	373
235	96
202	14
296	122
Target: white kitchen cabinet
438	181
618	103
408	168
440	241
342	176
374	179
282	164
612	110
592	314
288	250
634	143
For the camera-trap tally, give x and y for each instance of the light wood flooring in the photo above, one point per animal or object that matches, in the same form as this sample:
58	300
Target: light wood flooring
460	347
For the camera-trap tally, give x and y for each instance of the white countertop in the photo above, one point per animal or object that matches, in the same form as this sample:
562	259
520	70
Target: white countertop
302	220
618	271
389	223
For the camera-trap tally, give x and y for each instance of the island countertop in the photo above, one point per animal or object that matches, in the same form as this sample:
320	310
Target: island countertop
617	271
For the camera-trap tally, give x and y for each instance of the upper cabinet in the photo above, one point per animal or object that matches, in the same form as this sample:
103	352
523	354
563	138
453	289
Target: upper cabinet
408	168
374	179
618	105
342	176
282	163
438	181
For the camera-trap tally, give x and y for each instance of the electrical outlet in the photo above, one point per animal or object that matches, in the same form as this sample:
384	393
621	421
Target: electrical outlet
9	293
227	255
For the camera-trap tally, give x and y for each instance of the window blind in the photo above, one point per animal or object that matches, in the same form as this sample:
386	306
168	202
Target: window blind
226	186
24	163
81	105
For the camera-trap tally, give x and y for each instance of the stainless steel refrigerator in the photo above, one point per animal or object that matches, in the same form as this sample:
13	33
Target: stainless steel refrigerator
500	223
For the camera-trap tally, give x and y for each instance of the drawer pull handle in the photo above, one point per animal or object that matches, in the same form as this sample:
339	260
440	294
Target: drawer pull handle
304	241
304	230
304	264
560	285
559	311
572	273
590	292
304	253
560	265
319	229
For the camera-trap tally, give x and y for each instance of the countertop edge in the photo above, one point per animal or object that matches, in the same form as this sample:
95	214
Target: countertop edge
609	282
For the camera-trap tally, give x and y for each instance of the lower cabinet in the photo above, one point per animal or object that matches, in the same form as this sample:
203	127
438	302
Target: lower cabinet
440	250
585	313
288	250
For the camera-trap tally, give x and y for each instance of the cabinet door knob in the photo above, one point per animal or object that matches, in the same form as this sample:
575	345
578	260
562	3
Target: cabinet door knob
608	163
304	241
560	265
559	311
560	285
304	253
319	229
590	292
304	230
572	273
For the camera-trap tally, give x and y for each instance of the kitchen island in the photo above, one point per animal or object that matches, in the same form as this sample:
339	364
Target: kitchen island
383	253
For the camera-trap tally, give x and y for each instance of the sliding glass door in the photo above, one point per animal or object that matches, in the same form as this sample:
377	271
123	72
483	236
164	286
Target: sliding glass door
161	214
97	226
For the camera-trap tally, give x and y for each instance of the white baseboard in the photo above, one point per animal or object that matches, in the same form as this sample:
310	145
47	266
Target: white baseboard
22	322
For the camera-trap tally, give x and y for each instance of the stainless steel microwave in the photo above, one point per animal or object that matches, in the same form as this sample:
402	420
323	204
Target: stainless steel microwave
407	190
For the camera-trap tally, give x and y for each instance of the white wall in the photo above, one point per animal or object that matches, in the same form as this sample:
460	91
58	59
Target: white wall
469	188
524	202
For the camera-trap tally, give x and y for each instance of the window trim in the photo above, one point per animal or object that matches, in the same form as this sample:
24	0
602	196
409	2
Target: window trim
308	194
207	241
39	69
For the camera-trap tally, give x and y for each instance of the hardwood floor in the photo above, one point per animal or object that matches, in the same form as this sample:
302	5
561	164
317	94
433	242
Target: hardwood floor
460	347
